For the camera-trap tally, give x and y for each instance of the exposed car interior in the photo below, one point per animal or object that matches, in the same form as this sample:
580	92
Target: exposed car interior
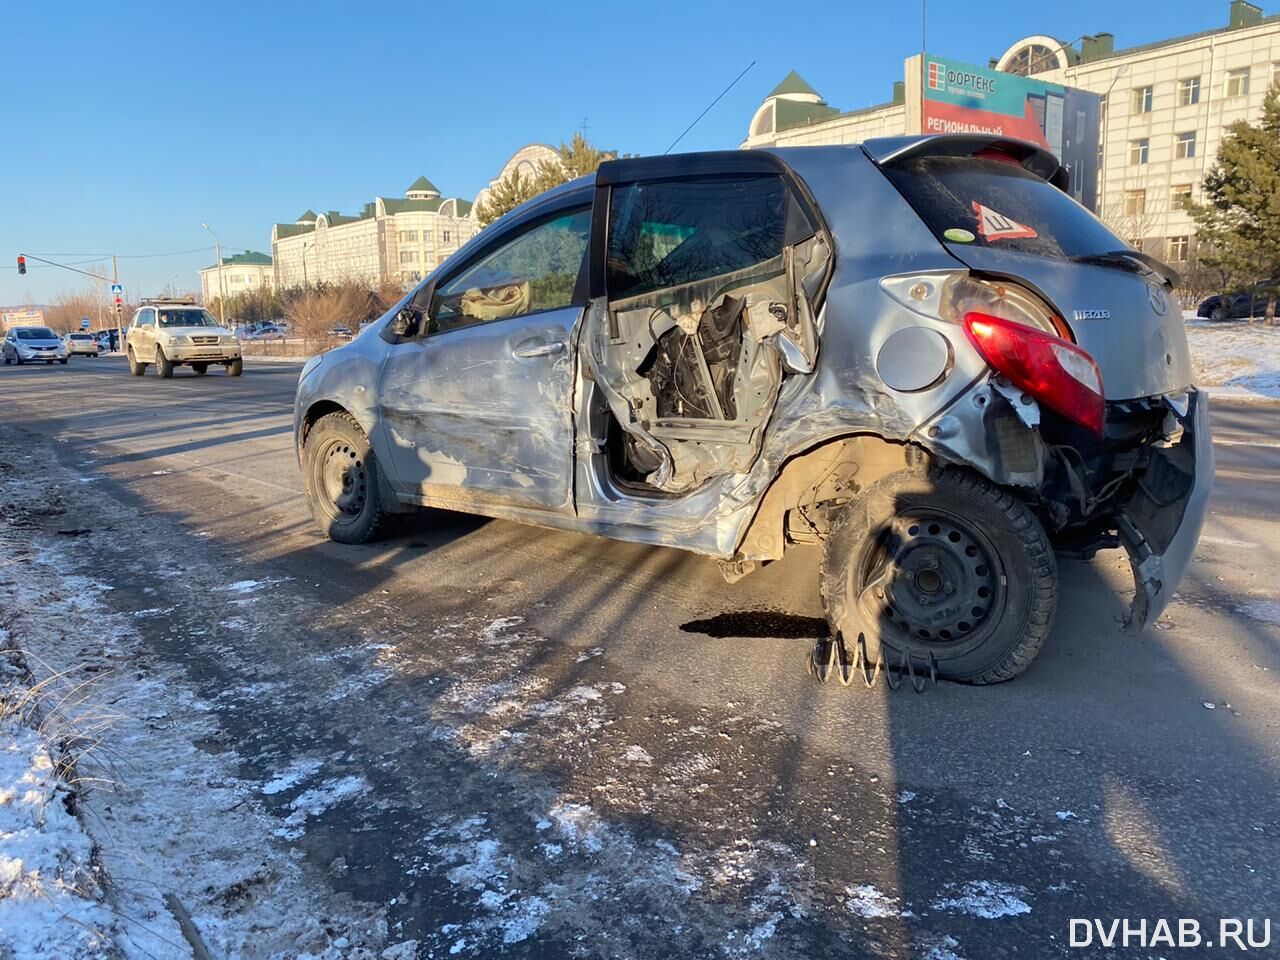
712	287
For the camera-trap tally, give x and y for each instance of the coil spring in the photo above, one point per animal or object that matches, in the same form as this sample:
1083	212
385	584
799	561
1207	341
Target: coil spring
830	656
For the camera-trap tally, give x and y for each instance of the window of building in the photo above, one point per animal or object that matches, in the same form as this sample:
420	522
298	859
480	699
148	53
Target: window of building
1181	195
1237	82
408	256
1188	91
444	236
1178	248
1184	146
408	236
536	271
1142	97
1135	203
1138	152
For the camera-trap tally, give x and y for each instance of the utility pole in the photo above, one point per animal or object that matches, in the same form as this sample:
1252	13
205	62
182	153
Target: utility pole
222	287
115	280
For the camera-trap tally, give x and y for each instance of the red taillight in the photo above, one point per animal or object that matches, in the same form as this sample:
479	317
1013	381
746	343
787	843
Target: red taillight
1057	373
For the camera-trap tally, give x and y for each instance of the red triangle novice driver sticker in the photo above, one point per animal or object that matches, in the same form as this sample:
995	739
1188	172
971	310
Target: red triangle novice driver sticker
996	226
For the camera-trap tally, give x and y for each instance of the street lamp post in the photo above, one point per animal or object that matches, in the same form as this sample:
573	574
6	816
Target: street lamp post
305	245
222	287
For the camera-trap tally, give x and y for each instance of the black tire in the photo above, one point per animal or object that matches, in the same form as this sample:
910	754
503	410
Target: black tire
200	368
136	368
63	361
48	363
7	360
341	481
991	589
163	367
235	367
20	360
1215	314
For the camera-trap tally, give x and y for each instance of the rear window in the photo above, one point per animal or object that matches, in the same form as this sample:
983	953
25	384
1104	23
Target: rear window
968	201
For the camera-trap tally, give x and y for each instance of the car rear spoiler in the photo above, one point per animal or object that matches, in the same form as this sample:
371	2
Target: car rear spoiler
884	151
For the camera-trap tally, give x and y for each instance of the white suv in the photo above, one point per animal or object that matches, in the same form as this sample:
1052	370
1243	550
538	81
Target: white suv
172	333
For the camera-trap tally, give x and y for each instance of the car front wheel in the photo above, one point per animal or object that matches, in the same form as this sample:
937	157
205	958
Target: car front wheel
943	566
136	368
340	479
235	367
164	368
1215	314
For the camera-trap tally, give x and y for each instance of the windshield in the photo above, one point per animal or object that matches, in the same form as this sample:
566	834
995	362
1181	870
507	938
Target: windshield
81	336
187	318
36	333
996	204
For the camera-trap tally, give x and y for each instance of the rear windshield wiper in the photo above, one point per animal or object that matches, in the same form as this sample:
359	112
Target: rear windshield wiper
1133	260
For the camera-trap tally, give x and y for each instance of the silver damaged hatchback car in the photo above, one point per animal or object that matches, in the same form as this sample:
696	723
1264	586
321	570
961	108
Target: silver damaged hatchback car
920	354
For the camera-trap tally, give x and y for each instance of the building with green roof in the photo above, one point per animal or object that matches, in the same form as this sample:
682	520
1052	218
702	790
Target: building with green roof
238	273
391	240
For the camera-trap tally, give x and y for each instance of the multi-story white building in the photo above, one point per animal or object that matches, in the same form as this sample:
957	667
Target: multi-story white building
395	240
1166	106
238	274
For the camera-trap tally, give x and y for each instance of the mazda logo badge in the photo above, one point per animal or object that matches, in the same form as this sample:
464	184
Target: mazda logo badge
1155	296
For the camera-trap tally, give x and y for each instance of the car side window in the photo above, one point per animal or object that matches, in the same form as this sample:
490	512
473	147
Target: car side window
669	233
537	270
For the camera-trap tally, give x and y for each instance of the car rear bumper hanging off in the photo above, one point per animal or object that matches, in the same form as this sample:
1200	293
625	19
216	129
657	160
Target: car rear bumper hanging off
1160	523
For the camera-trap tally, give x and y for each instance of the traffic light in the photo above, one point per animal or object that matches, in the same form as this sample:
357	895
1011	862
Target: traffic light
22	264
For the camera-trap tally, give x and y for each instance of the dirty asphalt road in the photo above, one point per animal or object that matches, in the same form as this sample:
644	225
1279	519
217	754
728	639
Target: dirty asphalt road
574	747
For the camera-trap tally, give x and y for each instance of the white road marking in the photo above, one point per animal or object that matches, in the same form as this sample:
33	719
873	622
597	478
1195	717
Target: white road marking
1227	542
1236	442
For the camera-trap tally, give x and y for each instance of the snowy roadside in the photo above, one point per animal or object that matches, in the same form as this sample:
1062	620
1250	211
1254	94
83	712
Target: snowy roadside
1239	360
160	807
52	903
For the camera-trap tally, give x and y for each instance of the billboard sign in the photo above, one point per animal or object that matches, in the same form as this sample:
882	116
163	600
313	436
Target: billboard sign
961	98
21	318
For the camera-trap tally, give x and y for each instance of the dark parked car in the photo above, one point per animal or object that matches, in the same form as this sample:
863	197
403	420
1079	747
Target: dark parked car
1243	305
920	354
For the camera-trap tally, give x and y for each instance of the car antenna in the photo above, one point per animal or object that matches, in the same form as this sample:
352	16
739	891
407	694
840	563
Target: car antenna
709	106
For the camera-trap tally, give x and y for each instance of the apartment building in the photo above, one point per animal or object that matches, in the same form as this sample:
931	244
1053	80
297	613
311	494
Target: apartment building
393	239
238	274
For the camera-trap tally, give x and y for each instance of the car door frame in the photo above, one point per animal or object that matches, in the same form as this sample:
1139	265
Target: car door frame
556	204
657	518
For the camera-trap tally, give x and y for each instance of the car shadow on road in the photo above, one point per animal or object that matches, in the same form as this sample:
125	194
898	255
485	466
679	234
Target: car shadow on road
718	803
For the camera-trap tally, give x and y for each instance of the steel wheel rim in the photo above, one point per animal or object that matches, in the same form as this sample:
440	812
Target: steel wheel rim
930	578
342	480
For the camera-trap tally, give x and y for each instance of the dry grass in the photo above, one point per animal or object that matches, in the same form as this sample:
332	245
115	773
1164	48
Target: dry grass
54	703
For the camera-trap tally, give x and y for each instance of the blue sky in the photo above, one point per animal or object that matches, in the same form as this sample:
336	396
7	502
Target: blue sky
124	125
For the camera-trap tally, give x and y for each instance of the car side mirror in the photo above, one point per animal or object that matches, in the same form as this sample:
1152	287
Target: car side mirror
404	325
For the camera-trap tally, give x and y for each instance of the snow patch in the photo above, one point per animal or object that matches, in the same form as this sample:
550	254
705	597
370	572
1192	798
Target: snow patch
1236	359
313	802
986	899
48	893
638	754
304	768
868	902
